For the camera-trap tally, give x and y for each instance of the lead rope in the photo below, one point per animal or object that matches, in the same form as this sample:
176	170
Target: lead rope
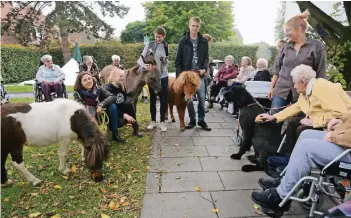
104	120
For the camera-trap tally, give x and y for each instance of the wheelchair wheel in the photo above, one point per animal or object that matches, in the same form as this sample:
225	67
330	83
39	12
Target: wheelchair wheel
208	93
307	205
36	93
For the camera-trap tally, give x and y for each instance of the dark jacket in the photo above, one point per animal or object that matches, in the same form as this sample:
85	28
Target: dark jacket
105	97
262	75
184	55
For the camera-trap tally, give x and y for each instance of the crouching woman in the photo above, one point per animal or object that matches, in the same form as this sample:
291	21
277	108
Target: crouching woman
95	98
124	105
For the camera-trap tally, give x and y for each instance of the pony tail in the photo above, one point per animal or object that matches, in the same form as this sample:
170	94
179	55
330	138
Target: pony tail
304	15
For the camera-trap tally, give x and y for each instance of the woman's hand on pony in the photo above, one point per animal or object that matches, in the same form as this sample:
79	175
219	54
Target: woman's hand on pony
129	119
262	118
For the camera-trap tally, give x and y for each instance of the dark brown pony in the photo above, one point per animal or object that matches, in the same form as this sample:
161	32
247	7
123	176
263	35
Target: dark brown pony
180	91
135	79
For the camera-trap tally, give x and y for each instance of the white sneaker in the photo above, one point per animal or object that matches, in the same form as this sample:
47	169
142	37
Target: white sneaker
152	125
163	127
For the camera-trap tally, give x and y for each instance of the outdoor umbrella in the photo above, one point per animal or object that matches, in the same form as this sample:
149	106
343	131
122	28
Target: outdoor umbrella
76	53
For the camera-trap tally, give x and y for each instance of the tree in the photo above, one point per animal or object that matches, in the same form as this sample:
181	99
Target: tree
216	16
333	33
134	32
68	16
279	22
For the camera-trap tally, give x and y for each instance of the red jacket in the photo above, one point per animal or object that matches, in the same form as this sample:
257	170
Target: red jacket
225	74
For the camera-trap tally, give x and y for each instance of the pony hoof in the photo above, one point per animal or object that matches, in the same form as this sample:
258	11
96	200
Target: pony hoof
182	129
173	120
36	182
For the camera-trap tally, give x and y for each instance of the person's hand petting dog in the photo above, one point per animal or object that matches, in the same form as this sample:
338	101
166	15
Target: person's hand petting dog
262	118
330	128
307	122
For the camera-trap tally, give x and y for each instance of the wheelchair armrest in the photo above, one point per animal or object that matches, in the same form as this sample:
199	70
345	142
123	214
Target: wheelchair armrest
347	151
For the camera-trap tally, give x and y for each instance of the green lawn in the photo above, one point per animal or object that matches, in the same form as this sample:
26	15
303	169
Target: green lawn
27	88
76	195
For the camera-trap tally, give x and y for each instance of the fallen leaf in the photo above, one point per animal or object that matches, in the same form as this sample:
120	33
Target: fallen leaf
57	187
215	210
178	177
113	206
6	199
74	168
34	194
55	204
56	216
71	197
65	177
123	199
175	144
257	209
104	216
126	204
129	176
9	172
197	188
33	215
103	190
180	164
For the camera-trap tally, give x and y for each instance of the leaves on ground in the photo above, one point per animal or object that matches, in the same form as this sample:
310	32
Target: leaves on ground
33	215
57	187
215	210
197	188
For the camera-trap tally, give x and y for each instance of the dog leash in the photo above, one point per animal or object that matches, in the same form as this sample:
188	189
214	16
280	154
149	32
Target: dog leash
104	121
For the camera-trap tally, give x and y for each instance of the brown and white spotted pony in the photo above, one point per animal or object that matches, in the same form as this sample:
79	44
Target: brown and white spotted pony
47	123
135	79
180	91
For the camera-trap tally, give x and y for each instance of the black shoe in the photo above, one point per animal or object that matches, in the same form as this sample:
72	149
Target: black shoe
204	125
272	173
118	138
270	199
269	183
206	111
190	125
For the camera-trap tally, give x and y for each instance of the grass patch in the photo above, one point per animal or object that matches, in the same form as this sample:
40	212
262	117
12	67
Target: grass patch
77	195
27	88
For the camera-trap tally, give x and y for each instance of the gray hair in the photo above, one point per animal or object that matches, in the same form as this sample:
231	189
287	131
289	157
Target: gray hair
85	58
114	57
229	56
303	73
264	61
45	58
248	59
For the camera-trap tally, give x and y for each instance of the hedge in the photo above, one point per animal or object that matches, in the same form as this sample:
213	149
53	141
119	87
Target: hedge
19	64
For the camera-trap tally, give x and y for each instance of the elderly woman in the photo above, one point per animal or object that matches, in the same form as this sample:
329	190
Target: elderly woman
226	72
88	65
314	148
50	76
116	62
320	101
299	50
246	70
95	98
261	73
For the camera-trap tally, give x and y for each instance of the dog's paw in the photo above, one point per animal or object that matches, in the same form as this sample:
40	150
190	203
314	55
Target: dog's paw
251	168
236	156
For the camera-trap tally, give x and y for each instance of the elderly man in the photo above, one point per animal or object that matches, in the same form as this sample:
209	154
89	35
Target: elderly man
50	76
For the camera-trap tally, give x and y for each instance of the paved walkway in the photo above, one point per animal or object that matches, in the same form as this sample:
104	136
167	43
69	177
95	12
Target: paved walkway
182	161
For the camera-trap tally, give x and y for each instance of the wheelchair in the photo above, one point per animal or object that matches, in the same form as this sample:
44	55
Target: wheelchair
39	95
333	180
5	98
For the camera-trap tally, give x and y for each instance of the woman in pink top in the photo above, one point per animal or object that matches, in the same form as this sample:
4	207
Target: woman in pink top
226	72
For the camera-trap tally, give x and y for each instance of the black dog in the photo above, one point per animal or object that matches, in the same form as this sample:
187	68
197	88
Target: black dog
265	137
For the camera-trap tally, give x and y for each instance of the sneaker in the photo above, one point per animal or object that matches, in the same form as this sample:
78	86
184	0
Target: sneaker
163	127
204	125
268	183
152	125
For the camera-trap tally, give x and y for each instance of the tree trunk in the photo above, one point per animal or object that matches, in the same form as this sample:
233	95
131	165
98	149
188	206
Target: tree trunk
65	44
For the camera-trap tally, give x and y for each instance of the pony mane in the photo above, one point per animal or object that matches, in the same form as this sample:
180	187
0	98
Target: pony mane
186	77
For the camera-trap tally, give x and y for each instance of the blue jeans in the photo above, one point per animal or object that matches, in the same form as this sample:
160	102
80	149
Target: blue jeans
201	104
163	101
275	162
113	116
278	102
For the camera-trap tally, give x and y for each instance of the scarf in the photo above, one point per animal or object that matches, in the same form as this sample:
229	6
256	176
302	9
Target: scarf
91	99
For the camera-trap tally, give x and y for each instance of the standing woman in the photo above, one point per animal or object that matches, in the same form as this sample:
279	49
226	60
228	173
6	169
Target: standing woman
298	50
160	50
